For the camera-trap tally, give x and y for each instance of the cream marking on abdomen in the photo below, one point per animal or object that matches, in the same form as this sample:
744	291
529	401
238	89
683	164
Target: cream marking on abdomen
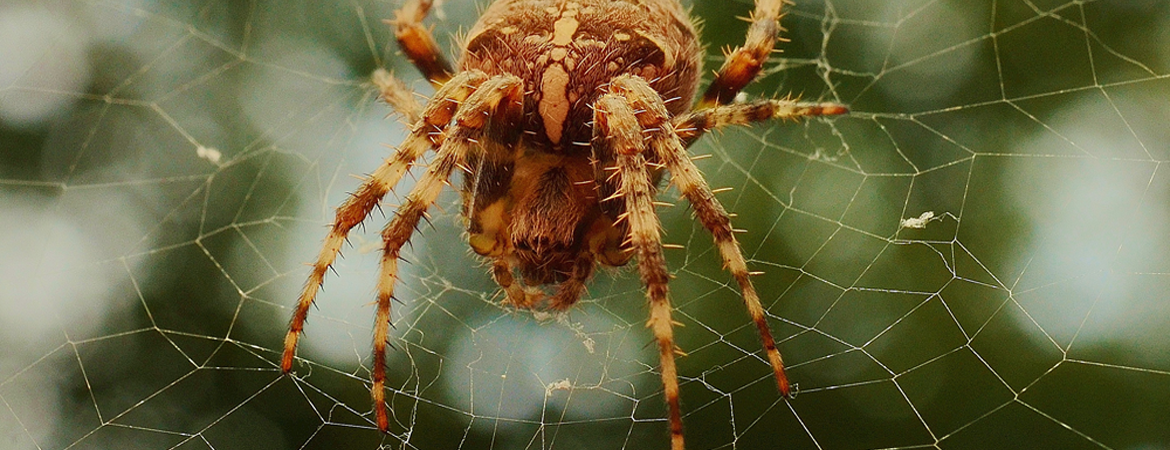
554	99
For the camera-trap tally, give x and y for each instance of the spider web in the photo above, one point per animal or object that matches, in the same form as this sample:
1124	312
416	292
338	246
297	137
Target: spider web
976	257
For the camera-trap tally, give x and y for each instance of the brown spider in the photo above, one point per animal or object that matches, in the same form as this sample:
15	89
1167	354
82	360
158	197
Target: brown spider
563	116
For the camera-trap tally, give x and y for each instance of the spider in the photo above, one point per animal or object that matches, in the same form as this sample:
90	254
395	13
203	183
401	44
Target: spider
563	117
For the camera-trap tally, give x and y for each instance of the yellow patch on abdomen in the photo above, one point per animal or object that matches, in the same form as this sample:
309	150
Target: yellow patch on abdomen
491	223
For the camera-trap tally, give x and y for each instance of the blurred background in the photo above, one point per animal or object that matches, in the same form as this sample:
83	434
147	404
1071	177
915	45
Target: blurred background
976	257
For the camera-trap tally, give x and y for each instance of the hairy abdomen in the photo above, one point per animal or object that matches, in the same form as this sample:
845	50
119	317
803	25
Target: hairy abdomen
565	50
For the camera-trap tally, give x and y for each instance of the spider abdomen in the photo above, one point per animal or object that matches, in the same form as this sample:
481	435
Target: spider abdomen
566	51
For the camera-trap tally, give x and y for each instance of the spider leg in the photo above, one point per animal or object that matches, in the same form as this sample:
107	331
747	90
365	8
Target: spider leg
471	118
711	214
570	290
418	44
617	132
516	295
395	93
668	148
692	125
744	63
355	209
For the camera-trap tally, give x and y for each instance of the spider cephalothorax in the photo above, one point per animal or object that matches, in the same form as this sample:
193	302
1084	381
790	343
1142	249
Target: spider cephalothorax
563	116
